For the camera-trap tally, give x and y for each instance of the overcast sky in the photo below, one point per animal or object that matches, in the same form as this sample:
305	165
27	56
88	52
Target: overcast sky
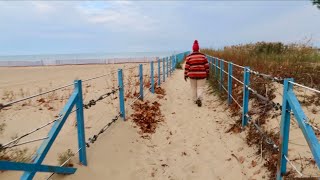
43	27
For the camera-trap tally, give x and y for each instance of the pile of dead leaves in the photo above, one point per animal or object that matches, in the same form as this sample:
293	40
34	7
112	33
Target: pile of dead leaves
147	116
235	127
160	92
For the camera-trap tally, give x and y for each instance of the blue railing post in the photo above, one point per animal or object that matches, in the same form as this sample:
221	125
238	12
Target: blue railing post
152	77
159	73
164	69
174	62
80	123
217	64
121	94
141	81
170	65
229	82
221	74
245	108
209	61
213	66
52	135
167	59
284	129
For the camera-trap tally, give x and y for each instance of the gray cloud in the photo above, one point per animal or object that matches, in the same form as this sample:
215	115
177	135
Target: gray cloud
66	27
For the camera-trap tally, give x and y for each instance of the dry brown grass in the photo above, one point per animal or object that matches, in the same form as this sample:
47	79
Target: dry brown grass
2	127
299	61
16	155
63	157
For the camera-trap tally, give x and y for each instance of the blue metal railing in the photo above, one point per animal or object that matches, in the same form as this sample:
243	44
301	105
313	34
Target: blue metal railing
30	169
76	100
289	103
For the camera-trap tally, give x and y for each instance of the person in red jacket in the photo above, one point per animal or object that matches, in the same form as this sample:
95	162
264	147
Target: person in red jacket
197	69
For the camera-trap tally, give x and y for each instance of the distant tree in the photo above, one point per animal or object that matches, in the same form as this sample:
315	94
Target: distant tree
316	3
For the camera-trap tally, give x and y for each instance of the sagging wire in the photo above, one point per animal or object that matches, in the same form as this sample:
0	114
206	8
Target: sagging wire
16	140
33	96
271	142
23	143
101	97
91	140
86	106
98	77
55	89
66	161
276	106
112	72
311	125
268	140
138	97
266	76
293	166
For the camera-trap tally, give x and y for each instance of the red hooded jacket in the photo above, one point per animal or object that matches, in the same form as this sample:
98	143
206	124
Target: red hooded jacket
197	66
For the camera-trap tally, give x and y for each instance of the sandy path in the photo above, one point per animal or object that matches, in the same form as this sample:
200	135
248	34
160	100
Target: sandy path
190	144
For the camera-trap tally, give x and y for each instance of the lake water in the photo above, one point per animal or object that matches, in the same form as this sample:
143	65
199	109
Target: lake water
82	56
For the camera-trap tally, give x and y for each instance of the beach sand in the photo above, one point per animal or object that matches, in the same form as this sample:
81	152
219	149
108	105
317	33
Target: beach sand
191	143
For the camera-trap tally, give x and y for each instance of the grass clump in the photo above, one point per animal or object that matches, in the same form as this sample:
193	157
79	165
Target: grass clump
178	65
63	157
2	127
16	155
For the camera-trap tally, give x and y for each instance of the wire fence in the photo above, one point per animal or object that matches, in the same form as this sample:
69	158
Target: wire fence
165	68
292	108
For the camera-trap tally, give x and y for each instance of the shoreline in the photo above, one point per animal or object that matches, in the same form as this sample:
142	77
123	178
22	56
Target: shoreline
76	62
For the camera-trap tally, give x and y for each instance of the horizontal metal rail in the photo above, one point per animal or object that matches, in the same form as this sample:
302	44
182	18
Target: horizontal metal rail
237	65
236	101
232	97
306	87
237	80
223	86
225	72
